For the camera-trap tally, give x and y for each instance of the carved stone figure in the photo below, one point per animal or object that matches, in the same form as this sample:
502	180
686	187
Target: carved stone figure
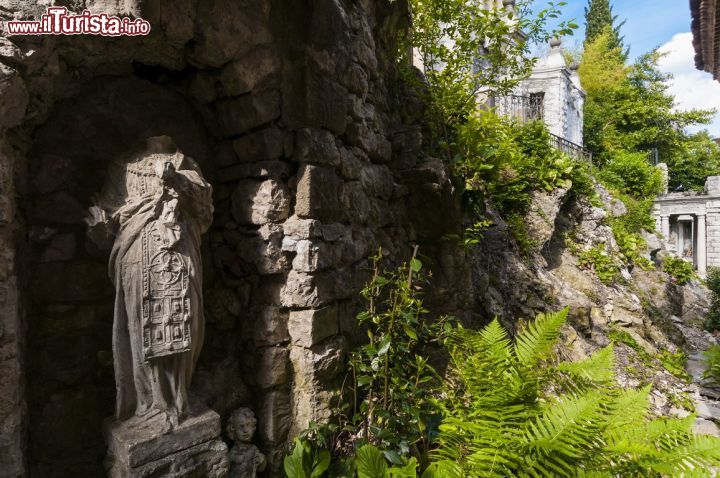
152	211
244	457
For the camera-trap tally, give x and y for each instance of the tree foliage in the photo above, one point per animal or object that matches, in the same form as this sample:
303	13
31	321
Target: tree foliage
629	107
699	159
469	52
599	19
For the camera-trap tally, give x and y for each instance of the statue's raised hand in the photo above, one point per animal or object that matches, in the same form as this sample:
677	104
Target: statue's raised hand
96	215
165	170
99	226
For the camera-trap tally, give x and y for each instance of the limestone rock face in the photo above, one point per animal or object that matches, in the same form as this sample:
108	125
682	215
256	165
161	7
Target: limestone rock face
544	208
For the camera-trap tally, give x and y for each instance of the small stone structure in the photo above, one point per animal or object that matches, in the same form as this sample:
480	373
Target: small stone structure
557	85
690	222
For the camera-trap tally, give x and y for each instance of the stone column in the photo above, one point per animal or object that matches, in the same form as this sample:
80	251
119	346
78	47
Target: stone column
665	226
701	245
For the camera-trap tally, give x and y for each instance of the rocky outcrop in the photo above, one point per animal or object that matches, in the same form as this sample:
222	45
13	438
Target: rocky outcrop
646	313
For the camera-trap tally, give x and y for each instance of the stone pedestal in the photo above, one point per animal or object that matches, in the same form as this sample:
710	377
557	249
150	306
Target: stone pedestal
146	449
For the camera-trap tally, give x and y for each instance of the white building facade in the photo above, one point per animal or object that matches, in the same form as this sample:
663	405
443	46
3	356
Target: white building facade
690	222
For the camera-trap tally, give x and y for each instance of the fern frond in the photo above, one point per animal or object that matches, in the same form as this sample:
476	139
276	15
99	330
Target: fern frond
597	369
692	458
538	339
566	431
627	410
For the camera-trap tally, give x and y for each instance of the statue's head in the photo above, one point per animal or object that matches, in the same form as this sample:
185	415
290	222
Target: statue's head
241	425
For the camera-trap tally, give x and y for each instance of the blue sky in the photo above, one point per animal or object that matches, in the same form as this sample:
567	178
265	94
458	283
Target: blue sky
649	23
659	23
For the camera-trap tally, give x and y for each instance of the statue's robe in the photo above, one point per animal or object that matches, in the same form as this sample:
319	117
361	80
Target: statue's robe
136	202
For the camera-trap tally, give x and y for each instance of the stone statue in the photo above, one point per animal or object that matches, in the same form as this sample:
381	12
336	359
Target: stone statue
244	457
151	213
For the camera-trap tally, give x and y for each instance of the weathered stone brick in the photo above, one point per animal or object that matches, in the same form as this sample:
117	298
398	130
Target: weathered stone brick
271	326
309	327
238	115
256	202
318	194
260	145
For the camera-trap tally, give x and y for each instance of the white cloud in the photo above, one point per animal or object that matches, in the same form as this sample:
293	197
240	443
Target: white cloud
691	87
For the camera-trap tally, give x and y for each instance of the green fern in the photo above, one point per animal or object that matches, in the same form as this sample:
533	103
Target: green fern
508	412
539	337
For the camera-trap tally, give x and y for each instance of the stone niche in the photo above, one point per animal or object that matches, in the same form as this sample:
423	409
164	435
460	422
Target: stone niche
70	298
314	165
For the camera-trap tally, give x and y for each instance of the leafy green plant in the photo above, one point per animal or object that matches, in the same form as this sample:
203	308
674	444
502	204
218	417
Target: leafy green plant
631	244
712	363
306	461
509	412
632	174
712	281
598	260
370	463
391	374
681	270
675	363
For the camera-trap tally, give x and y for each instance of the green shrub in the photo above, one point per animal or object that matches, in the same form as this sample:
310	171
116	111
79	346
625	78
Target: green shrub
632	174
712	363
712	281
597	259
391	379
680	270
509	161
631	244
506	161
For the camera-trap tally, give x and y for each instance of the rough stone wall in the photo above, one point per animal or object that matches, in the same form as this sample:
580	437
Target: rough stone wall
315	158
12	384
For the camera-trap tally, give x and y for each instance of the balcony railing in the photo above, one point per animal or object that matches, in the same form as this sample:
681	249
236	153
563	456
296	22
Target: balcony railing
530	108
521	108
571	149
